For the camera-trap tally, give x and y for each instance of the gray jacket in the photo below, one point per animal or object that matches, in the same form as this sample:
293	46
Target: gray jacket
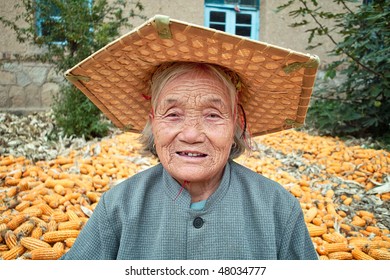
147	217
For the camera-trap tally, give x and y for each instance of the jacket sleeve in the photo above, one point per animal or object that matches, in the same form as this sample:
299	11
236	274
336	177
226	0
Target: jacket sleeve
97	240
296	242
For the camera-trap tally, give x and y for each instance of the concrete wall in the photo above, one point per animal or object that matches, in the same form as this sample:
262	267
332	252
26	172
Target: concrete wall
27	85
275	29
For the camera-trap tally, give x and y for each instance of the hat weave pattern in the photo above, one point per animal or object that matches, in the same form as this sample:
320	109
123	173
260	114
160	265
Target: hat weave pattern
278	82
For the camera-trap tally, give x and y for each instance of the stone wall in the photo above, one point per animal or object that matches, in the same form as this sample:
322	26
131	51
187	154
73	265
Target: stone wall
27	86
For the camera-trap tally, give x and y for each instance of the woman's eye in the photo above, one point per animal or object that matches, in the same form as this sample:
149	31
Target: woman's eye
172	115
213	115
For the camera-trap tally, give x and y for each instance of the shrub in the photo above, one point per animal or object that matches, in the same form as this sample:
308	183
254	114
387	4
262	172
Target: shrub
360	105
68	32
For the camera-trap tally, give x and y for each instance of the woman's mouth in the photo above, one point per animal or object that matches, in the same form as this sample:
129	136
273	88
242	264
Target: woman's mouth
191	154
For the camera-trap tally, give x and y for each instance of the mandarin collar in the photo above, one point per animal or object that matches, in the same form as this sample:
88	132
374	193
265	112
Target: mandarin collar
182	198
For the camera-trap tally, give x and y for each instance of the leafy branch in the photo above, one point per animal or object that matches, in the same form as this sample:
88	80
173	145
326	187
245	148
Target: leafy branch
322	29
362	46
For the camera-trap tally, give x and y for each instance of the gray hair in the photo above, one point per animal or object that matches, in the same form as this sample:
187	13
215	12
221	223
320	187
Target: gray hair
169	71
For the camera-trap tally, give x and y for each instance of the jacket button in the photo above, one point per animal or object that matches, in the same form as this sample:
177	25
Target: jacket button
198	222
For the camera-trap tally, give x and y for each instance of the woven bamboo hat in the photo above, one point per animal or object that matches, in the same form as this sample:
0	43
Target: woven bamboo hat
278	82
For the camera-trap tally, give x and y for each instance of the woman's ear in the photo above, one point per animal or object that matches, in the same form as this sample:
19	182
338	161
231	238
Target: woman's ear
151	115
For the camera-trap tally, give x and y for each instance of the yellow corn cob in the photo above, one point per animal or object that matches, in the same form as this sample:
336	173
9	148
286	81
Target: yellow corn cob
3	247
70	241
13	253
72	215
359	242
340	256
65	199
348	201
296	191
44	254
39	222
93	206
70	225
60	189
60	235
25	229
17	220
46	209
6	217
362	213
52	199
10	239
334	237
59	248
360	255
33	211
61	208
311	214
341	213
93	196
337	247
17	174
60	216
329	224
373	229
84	220
37	232
23	205
3	227
38	200
345	228
331	209
317	221
31	243
316	230
321	250
379	254
329	193
357	221
51	183
52	226
12	191
376	244
31	196
46	218
317	240
24	183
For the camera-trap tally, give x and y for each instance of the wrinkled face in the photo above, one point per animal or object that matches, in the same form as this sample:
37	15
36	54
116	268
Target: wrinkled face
193	127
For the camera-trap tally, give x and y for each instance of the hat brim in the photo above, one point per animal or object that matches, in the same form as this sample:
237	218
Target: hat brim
278	81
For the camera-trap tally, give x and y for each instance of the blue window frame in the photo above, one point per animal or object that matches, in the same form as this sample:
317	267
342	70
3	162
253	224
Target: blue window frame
44	24
234	17
52	17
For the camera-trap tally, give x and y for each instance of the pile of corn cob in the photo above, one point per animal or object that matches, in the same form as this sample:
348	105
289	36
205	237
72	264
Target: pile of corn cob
343	192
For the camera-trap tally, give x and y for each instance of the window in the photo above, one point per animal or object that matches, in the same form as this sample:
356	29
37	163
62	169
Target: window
48	16
250	3
234	17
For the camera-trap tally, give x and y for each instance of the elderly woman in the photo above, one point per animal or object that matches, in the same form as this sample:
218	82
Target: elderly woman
197	203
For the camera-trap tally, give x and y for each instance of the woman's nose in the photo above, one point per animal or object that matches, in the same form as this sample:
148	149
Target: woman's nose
192	131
